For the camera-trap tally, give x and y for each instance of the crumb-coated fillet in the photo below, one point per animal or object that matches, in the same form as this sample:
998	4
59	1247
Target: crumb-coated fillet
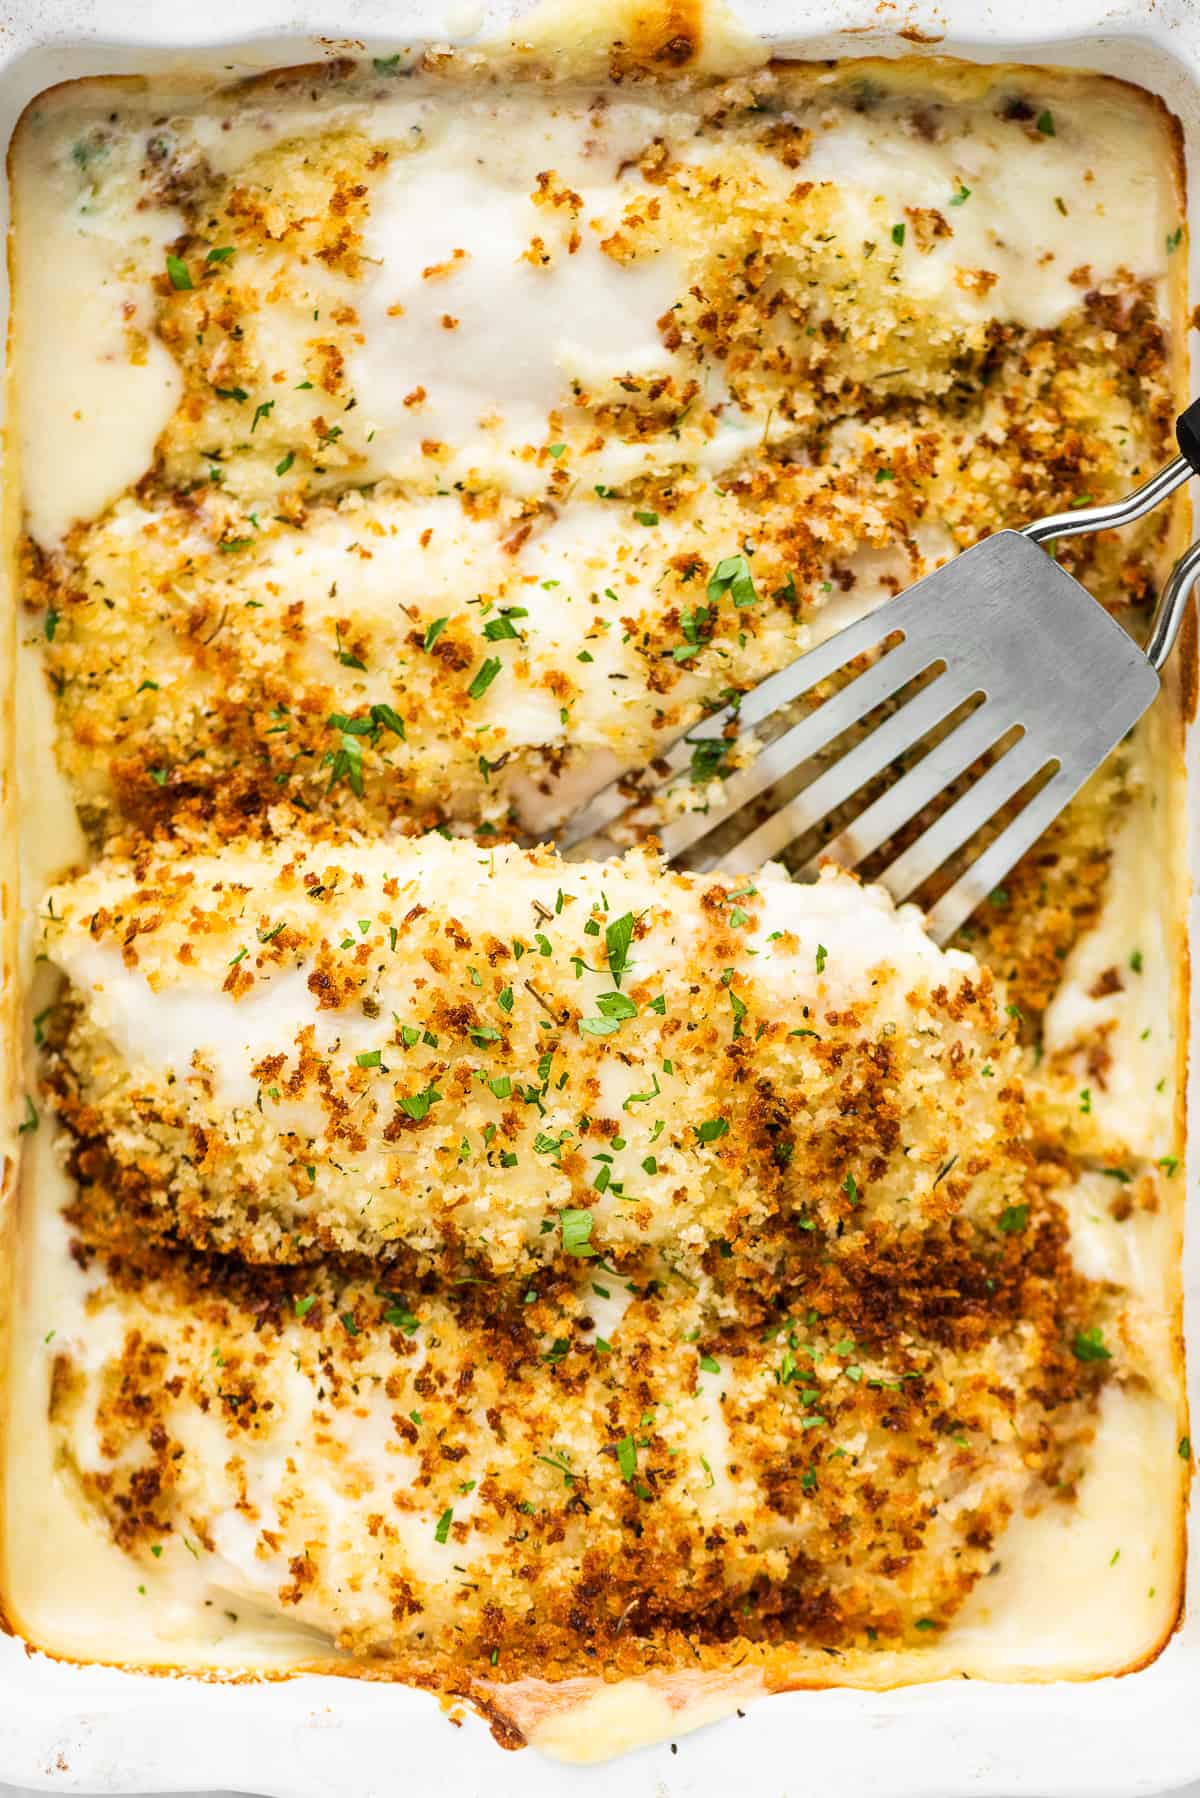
354	1046
518	1480
379	571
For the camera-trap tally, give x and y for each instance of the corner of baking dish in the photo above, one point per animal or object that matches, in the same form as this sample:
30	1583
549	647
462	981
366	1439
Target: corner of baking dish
101	1729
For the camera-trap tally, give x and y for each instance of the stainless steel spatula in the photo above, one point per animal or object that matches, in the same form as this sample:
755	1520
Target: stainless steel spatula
1003	637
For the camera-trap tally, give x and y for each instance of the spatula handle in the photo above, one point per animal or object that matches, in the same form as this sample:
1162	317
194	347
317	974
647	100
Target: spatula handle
1187	434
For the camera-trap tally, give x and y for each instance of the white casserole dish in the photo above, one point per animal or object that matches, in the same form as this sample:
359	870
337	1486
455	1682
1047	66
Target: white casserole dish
93	1728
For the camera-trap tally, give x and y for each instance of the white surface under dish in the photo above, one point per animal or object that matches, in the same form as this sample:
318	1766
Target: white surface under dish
99	1729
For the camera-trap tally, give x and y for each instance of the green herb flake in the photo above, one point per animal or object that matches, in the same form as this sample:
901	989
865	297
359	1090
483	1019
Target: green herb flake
1089	1345
576	1231
179	274
416	1105
733	576
1013	1219
618	937
442	1532
485	674
399	1317
711	1130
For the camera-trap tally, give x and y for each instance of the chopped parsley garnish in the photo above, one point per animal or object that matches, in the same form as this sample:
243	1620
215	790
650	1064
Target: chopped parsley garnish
281	468
264	409
576	1231
711	1130
400	1317
708	757
179	274
1045	124
710	1364
617	939
647	518
1089	1345
627	1457
733	576
221	254
433	632
485	674
1013	1219
442	1532
616	1005
962	196
822	957
501	627
416	1105
302	1307
599	1026
898	233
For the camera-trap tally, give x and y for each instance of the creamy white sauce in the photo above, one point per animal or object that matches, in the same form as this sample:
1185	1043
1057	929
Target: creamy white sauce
524	330
86	426
1136	1101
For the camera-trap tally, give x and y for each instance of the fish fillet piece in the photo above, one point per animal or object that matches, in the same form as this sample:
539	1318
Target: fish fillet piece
501	1058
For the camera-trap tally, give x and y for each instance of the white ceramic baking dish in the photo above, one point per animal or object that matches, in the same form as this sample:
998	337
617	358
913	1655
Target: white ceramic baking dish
97	1729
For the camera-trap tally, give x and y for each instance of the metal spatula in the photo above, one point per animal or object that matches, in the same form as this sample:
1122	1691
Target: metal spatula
1001	635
